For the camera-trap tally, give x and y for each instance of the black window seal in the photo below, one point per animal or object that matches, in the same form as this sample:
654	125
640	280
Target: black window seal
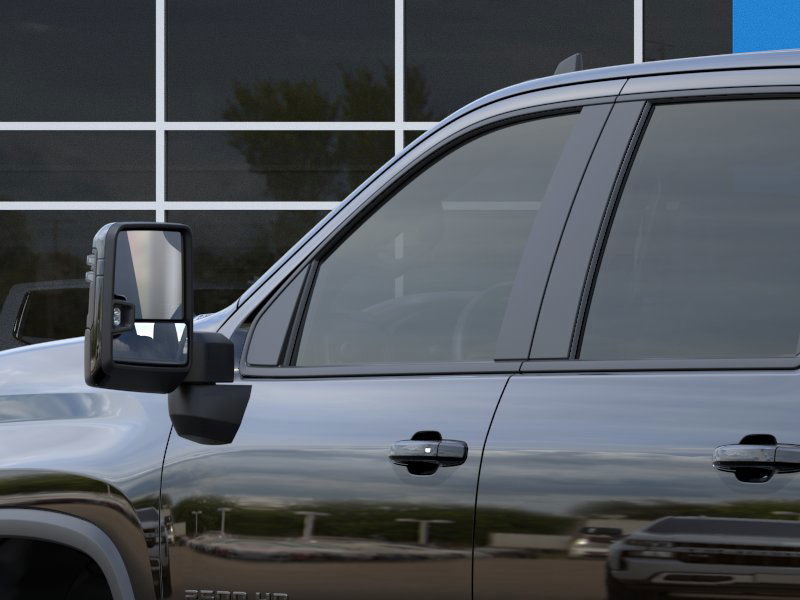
292	344
379	197
601	239
572	363
713	94
386	370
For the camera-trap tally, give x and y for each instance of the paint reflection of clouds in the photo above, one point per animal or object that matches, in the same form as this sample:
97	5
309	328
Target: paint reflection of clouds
33	407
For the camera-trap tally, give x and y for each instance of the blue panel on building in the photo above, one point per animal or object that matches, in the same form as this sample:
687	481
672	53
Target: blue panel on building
765	25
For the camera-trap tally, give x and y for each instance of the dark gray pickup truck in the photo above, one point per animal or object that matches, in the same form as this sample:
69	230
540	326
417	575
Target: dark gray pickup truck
548	351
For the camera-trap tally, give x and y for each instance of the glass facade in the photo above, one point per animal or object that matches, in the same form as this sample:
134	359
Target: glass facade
291	60
250	120
273	166
77	166
681	28
87	60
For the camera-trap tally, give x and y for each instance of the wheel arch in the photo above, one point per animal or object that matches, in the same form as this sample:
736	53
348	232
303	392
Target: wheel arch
70	509
73	532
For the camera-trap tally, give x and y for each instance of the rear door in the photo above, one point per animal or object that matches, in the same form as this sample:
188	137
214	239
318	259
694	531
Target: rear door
670	328
375	371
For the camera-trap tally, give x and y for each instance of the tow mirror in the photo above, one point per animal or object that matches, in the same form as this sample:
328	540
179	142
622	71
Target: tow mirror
139	333
139	321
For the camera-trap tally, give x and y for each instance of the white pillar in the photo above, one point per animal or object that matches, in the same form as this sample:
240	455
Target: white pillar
309	519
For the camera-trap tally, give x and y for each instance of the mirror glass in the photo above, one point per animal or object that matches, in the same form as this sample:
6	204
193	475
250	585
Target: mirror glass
148	274
153	343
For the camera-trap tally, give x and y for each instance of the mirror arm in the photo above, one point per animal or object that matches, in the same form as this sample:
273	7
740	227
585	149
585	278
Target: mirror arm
212	359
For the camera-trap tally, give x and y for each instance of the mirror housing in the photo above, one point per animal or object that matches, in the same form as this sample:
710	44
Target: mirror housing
139	321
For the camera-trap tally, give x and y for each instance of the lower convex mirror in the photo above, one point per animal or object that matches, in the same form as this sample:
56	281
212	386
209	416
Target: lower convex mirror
139	323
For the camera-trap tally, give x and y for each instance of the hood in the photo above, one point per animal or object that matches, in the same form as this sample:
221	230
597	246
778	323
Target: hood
57	363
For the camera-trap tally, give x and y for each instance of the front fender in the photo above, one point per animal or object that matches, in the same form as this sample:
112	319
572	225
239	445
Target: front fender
88	453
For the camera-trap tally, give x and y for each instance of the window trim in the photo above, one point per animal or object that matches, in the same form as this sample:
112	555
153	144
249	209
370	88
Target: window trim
633	365
525	301
383	369
609	213
554	328
572	321
428	154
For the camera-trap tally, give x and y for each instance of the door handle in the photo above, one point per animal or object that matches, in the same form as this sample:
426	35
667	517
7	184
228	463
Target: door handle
757	458
443	453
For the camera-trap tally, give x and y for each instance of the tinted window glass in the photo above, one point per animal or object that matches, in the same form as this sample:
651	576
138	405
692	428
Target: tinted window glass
283	60
272	165
680	28
458	50
273	325
78	166
427	276
233	248
92	60
703	257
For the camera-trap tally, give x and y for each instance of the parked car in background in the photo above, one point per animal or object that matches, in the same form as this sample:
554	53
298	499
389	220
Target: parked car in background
706	557
577	296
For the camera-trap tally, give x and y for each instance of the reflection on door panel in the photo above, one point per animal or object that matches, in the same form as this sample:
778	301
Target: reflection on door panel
306	501
614	495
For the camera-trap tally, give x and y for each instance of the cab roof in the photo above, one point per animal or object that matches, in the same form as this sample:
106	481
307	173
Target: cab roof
773	59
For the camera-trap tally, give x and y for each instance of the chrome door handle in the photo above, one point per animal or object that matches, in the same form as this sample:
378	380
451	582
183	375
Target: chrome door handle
728	458
444	453
757	458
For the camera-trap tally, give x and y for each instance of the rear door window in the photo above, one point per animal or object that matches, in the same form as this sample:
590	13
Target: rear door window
703	255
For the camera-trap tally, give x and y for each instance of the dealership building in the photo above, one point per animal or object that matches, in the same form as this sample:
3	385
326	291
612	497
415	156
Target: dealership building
250	119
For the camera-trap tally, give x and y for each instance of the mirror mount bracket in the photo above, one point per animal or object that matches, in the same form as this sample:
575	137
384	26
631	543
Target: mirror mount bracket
202	411
212	359
207	413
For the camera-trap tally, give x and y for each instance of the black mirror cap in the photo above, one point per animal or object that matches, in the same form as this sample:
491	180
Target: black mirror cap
100	369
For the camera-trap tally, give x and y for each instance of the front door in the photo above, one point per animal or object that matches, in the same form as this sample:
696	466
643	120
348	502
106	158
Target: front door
374	382
603	475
